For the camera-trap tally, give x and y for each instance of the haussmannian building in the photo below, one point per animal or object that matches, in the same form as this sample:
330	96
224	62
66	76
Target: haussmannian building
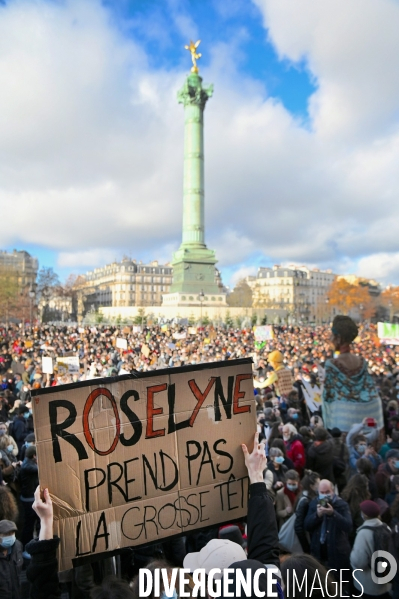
298	291
125	283
23	264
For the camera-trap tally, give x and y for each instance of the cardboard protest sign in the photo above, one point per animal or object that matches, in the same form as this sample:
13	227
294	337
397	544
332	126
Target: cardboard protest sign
263	333
134	459
121	343
145	350
68	365
388	333
47	365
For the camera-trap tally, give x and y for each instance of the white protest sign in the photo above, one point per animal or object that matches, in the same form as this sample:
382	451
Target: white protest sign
121	343
68	365
312	394
47	365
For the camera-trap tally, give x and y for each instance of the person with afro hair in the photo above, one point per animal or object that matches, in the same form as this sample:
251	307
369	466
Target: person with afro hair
349	394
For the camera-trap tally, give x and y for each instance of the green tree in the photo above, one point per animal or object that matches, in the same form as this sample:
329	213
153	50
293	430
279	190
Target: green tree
228	319
141	317
9	293
241	296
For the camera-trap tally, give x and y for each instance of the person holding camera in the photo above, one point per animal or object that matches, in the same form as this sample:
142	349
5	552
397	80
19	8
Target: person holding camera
329	523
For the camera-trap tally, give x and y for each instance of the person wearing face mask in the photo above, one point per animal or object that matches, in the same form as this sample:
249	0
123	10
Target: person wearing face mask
329	523
294	447
10	561
287	496
29	442
386	472
275	475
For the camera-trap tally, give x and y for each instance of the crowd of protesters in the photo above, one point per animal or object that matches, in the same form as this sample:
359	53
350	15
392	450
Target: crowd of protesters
330	497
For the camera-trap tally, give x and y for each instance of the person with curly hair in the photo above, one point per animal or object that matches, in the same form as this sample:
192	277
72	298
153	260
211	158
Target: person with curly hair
349	394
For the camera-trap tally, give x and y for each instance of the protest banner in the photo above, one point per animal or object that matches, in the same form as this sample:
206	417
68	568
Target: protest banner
388	333
145	350
263	333
144	457
68	365
47	365
121	343
313	395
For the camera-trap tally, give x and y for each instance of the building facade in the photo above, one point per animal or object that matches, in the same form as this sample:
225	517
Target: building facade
125	283
296	292
23	264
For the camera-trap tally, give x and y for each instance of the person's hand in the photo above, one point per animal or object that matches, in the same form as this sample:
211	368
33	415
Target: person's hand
288	509
44	509
256	461
328	510
278	485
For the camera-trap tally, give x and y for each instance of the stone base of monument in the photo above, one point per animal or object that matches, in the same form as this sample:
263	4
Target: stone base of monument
214	300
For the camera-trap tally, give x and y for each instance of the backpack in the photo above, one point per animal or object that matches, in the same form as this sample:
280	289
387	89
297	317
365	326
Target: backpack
381	535
339	465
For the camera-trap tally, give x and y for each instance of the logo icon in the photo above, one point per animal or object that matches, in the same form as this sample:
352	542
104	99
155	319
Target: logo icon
383	567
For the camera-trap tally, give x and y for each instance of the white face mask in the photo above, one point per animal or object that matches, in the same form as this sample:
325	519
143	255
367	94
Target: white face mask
286	437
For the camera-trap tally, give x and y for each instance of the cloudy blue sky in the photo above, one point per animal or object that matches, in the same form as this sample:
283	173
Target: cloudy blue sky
301	136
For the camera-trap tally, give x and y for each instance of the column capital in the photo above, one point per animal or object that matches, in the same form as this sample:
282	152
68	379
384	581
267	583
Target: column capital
192	92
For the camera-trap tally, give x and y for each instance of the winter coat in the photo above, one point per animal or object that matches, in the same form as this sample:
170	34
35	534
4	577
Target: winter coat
296	453
360	558
320	459
10	568
19	430
42	571
339	526
282	503
272	476
28	478
383	480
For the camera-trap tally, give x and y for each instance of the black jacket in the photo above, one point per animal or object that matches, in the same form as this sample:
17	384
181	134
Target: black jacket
10	567
19	430
320	459
42	571
262	527
28	478
301	513
339	525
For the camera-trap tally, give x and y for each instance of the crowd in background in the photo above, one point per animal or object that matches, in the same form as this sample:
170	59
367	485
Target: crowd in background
342	488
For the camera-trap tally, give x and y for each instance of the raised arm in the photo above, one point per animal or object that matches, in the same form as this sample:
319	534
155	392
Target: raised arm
261	520
42	571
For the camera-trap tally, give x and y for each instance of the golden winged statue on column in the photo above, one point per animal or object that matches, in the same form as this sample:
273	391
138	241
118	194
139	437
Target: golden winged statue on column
192	48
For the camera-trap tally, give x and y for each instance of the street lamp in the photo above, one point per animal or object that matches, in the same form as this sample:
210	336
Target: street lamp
361	311
31	297
201	298
390	311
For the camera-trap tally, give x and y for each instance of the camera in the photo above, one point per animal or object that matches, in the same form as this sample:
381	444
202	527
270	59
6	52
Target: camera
323	502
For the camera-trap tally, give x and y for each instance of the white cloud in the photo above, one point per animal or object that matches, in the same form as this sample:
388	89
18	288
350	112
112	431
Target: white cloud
382	267
88	258
91	138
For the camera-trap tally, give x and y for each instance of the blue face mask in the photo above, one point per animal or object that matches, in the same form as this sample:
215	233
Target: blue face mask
26	415
361	448
165	596
397	464
292	487
295	416
8	541
279	459
28	444
10	448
